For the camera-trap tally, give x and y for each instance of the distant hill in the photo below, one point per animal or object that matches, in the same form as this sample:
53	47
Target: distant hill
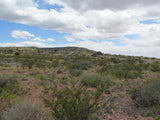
31	50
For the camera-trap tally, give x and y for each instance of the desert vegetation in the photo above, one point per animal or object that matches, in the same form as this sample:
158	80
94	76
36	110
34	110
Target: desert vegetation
73	83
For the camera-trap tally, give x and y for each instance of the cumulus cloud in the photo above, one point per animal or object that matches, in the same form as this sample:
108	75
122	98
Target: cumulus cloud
13	10
70	39
21	34
87	19
104	23
27	35
84	5
50	39
24	44
38	39
110	47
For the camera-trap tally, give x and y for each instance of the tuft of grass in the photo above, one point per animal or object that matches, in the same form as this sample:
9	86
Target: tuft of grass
25	110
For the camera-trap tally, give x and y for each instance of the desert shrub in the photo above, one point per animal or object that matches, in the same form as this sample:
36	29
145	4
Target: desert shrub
97	80
80	64
55	63
96	54
27	63
9	92
75	103
147	94
120	70
17	53
138	67
5	79
10	89
42	79
133	74
59	71
52	76
102	62
146	66
75	73
114	60
64	79
74	66
130	60
23	111
155	67
92	80
85	64
41	64
80	57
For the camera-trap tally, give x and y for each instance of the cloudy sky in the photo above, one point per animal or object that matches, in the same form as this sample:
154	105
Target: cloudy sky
127	27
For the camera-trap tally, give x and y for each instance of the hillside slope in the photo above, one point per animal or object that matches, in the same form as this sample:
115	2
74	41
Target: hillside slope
128	85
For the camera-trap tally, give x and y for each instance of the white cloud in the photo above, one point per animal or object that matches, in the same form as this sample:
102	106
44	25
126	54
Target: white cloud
109	47
50	39
27	35
105	23
70	39
84	5
24	44
97	20
21	34
38	39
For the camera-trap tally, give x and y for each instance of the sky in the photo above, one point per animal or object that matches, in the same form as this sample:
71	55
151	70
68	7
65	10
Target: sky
126	27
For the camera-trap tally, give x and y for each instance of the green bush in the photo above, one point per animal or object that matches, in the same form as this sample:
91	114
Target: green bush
96	54
79	64
121	70
64	79
42	79
5	79
59	71
10	88
75	73
17	53
55	63
74	66
75	103
23	111
27	63
155	67
92	80
97	80
147	94
41	64
52	76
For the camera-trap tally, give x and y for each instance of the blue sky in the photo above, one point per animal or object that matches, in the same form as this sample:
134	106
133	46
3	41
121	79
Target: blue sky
131	28
7	28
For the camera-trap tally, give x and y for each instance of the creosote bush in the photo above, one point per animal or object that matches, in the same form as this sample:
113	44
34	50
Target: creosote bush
75	103
147	94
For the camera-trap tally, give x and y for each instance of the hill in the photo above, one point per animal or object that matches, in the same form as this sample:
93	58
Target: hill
76	83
